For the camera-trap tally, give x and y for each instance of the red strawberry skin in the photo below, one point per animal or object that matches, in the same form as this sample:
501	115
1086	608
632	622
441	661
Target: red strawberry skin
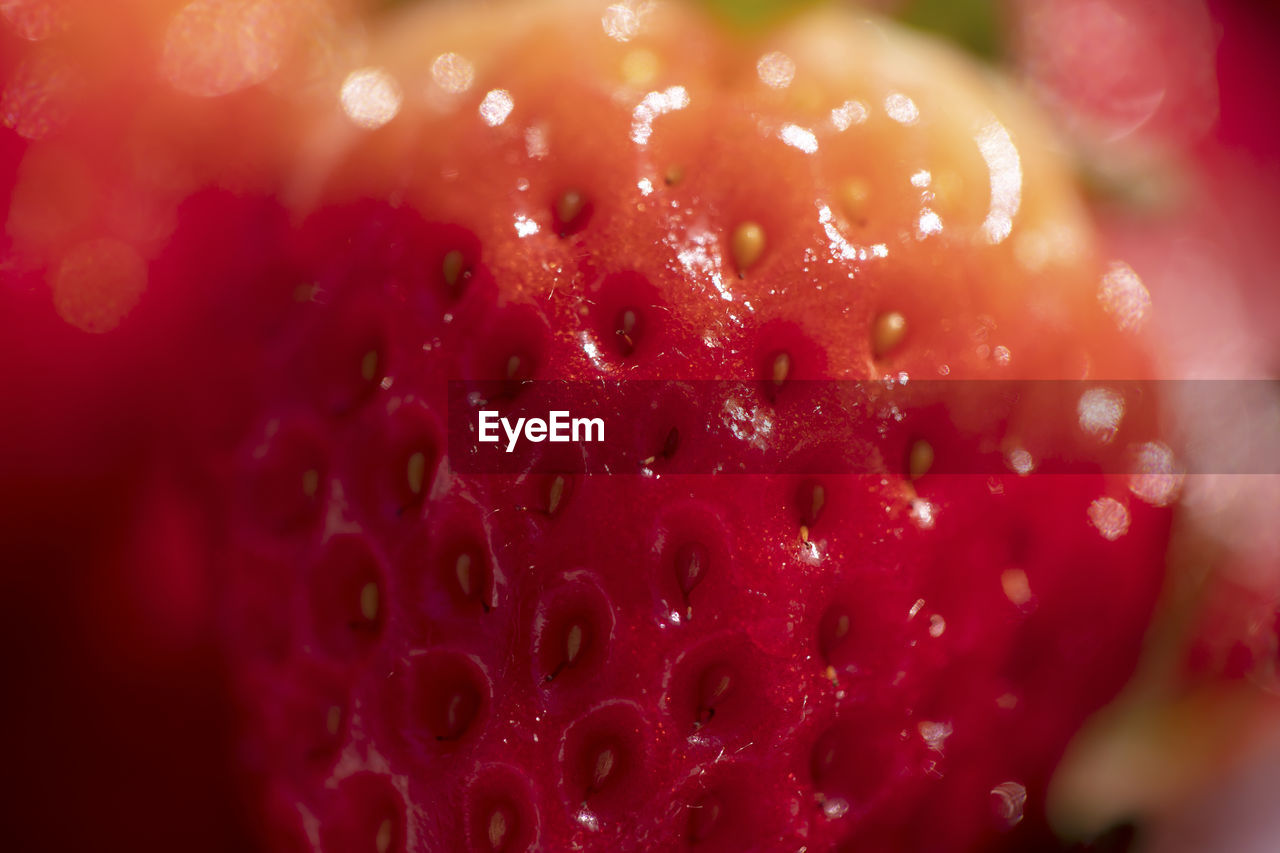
419	659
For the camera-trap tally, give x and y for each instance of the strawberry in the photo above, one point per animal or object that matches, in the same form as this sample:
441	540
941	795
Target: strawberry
420	657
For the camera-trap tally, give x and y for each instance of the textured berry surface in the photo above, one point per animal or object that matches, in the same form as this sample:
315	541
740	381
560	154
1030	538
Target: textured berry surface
422	660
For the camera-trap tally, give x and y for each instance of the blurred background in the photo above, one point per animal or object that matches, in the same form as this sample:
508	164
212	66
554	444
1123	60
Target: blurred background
116	719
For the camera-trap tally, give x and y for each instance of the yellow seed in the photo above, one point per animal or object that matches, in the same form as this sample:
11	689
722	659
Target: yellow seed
1015	586
627	328
573	645
569	205
673	175
604	767
497	829
781	368
382	841
842	626
369	601
310	482
628	324
853	199
640	67
463	570
453	714
417	471
452	267
513	366
818	499
719	688
369	366
747	245
804	534
555	494
889	330
921	459
333	719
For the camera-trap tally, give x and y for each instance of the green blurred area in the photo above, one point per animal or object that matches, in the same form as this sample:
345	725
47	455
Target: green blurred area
975	25
756	14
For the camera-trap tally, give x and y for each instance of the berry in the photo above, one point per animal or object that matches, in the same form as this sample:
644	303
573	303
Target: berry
426	658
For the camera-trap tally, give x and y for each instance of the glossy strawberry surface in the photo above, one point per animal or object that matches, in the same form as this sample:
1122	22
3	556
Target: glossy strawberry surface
253	362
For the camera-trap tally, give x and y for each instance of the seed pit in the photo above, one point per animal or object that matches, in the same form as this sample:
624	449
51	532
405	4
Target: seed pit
920	459
572	631
451	694
451	259
346	358
626	307
690	562
785	357
746	246
347	599
704	818
852	758
724	811
715	686
811	500
572	211
286	478
469	576
715	689
367	815
833	634
453	268
887	333
407	459
499	812
671	443
303	720
628	330
512	352
605	757
780	369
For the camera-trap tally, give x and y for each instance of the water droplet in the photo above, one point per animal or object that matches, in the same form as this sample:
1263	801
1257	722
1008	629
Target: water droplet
835	807
1008	800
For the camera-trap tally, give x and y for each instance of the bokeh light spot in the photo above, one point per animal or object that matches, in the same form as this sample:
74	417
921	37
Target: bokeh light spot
216	47
453	73
98	283
1110	517
370	97
776	70
37	99
1123	295
496	106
